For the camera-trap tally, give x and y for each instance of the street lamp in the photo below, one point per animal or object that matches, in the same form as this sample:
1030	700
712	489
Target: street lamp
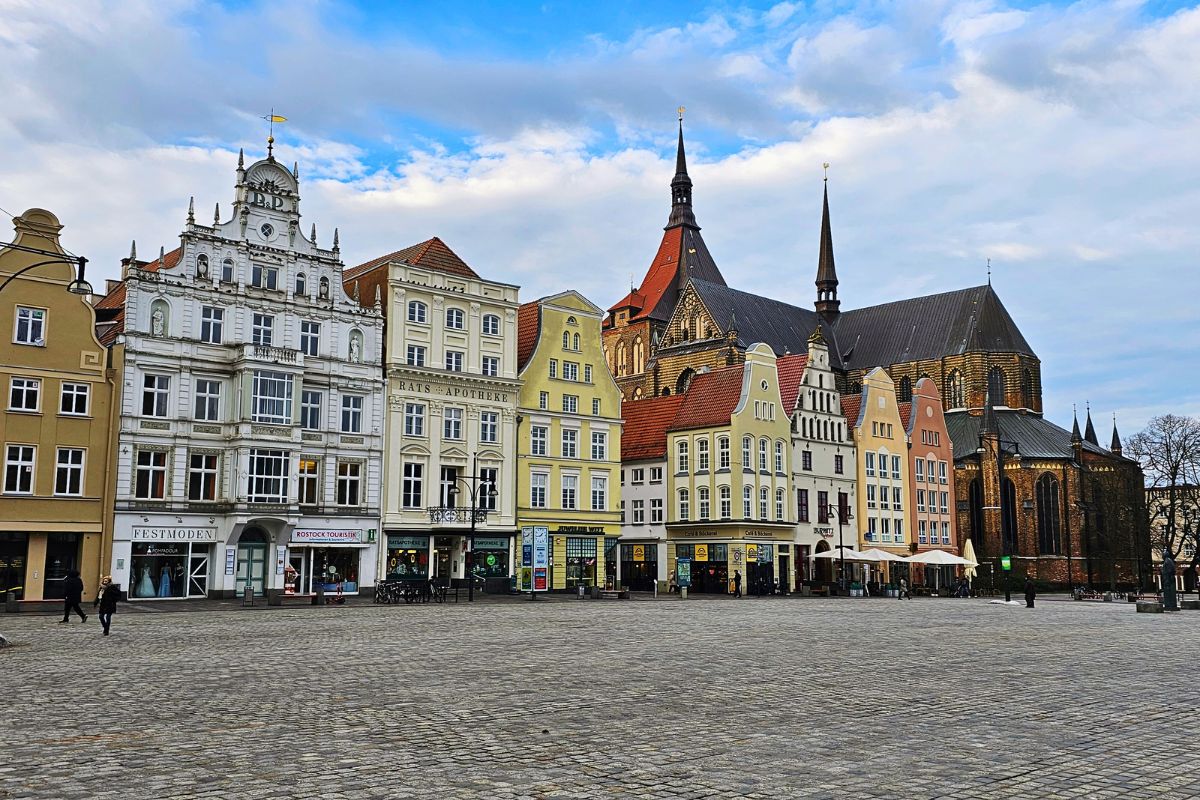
78	286
476	491
843	515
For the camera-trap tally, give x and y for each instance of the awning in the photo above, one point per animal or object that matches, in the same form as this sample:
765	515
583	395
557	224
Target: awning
939	558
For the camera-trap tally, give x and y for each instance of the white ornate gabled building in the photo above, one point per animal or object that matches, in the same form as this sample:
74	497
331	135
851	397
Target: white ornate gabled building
252	407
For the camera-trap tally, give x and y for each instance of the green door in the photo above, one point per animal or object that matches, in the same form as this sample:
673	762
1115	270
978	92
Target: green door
251	567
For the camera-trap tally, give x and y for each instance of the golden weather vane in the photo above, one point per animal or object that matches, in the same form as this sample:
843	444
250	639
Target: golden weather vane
825	166
681	109
271	119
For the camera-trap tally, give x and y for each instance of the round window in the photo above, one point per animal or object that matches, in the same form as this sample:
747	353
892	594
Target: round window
267	230
764	385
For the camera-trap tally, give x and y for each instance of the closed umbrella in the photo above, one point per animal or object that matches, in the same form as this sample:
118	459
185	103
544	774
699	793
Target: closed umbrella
969	555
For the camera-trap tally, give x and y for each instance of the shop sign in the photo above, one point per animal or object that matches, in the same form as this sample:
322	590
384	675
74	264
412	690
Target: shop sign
396	542
596	529
172	534
751	553
163	549
752	534
1005	563
683	572
701	552
317	535
491	543
824	533
639	552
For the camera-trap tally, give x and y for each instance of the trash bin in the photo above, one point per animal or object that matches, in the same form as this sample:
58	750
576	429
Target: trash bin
319	597
248	595
582	589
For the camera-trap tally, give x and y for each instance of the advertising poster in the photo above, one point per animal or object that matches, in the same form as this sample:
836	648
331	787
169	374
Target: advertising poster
541	559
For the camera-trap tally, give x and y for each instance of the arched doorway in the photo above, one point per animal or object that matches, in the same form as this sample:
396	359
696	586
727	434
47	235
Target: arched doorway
252	560
823	569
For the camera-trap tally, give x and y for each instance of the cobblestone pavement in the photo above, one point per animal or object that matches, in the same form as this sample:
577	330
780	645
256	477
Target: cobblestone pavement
709	697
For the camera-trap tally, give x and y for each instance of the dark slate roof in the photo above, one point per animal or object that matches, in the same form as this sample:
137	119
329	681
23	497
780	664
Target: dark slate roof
1036	437
783	327
928	327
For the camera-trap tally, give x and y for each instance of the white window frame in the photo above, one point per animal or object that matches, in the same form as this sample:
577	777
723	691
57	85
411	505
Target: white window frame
490	366
452	423
270	407
489	427
418	312
538	483
34	320
206	404
538	436
414	419
353	406
212	324
27	389
570	443
310	413
656	511
271	485
570	492
151	468
349	484
262	329
599	493
20	462
454	360
209	475
412	489
599	446
415	355
491	325
159	393
456	319
73	391
310	337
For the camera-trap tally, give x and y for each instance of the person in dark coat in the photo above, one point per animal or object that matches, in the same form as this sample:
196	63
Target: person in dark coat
107	599
1030	593
72	595
737	583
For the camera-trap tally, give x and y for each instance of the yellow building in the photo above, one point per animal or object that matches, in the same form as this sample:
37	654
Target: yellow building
56	499
568	436
884	514
729	504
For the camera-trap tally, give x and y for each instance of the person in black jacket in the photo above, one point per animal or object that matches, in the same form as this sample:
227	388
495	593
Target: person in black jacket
73	594
1030	593
107	599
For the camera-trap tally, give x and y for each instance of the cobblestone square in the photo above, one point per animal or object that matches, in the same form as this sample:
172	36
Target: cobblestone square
707	698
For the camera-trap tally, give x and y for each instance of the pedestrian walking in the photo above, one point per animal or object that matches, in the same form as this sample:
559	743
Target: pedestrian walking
903	590
1030	593
737	583
106	599
72	596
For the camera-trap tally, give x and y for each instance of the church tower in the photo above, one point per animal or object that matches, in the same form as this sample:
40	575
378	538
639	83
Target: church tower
827	304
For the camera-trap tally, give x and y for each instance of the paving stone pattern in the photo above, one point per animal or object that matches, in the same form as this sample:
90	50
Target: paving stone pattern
704	698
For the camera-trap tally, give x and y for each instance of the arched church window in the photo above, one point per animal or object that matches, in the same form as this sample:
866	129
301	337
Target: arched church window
1027	388
954	390
904	390
639	355
997	388
1048	516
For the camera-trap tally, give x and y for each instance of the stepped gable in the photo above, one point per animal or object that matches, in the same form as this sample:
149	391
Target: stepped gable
529	325
791	374
644	434
1036	436
710	399
782	327
432	254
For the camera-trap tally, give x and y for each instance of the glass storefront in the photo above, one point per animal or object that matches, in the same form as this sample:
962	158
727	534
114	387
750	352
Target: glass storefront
14	548
639	566
710	566
760	569
407	558
327	568
169	570
490	559
581	562
62	556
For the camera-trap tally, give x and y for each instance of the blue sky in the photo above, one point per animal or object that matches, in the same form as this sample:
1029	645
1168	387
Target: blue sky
537	139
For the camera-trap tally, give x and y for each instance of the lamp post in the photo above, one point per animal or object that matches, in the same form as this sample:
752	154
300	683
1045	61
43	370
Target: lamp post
78	286
843	515
475	489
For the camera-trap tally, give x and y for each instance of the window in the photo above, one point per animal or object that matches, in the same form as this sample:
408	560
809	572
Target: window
301	285
762	455
599	493
491	325
489	426
681	456
150	475
639	512
308	476
68	473
656	474
155	393
543	400
349	483
806	460
997	387
921	538
212	324
202	476
263	329
570	442
491	366
264	277
599	446
747	460
896	498
763	501
575	342
449	487
869	464
823	507
899	535
955	396
570	403
883	497
885	529
839	465
684	505
587	373
870	495
595	406
702	501
554	368
779	505
310	337
352	413
310	410
872	524
570	371
802	504
537	440
945	533
267	481
18	468
30	326
454	360
271	401
919	470
779	458
73	400
417	311
570	490
895	467
487	483
227	271
415	356
941	472
702	454
747	502
944	502
537	489
208	400
24	394
726	502
921	499
412	491
723	452
452	423
454	318
656	511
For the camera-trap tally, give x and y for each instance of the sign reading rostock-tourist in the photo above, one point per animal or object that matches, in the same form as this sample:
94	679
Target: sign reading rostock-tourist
324	536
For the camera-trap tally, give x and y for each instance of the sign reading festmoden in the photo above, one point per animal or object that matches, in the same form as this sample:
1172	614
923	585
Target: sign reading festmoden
322	536
171	534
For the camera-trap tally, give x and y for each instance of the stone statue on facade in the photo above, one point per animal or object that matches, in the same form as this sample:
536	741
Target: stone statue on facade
1167	574
157	322
355	350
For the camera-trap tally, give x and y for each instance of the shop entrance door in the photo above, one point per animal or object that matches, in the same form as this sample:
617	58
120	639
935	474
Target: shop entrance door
785	566
198	574
13	549
444	559
252	562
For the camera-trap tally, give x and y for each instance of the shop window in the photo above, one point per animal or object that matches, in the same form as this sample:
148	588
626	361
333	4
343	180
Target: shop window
581	562
169	570
408	558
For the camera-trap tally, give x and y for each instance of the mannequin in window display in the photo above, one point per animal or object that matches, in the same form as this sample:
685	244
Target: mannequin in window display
164	582
145	585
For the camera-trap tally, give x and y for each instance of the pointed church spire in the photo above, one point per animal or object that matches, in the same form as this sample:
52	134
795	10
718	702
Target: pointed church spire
1115	447
1089	431
1076	438
133	252
681	187
296	170
827	282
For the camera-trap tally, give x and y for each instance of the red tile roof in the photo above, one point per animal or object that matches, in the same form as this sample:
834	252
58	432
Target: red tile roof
791	373
710	399
659	277
529	323
114	299
430	254
110	326
644	434
851	404
905	410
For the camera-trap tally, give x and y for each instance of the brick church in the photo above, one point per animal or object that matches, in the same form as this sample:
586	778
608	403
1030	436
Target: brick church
1069	511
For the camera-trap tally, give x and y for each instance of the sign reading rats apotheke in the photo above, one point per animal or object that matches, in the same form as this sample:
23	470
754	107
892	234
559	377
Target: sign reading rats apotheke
454	391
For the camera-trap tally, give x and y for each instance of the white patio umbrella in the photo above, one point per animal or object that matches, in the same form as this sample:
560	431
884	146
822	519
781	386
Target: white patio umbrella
939	558
969	554
881	555
851	555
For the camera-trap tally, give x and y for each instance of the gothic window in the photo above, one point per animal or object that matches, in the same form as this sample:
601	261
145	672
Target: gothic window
954	390
1027	388
1009	514
997	390
1048	517
639	355
904	391
622	359
975	504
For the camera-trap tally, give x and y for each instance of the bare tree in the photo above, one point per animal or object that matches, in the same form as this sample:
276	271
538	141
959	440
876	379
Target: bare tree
1169	451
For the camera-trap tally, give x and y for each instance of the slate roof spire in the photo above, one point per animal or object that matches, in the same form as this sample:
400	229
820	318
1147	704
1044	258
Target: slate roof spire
1115	447
1076	438
1089	432
828	304
681	187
